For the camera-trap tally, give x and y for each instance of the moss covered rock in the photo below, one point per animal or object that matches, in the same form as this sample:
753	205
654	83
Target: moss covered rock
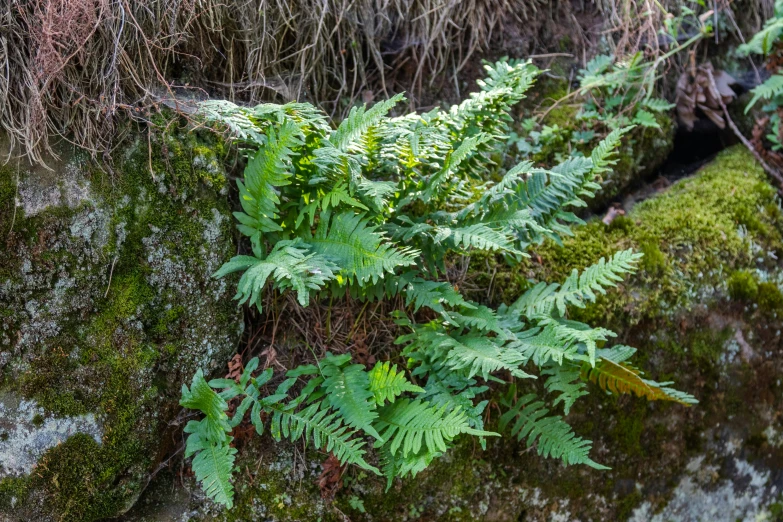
704	310
106	307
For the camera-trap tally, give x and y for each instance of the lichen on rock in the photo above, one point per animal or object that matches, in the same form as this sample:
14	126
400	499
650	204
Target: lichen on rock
106	305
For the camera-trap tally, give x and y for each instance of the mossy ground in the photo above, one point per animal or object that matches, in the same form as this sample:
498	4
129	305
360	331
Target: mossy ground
135	315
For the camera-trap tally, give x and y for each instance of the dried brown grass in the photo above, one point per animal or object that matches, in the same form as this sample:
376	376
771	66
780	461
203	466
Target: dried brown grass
69	68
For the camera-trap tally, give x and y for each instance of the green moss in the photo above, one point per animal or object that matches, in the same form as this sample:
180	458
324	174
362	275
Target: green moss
769	297
742	286
653	262
108	358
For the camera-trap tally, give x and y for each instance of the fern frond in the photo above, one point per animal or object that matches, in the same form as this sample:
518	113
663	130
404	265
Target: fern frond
478	236
553	437
386	383
268	169
482	355
621	377
772	87
360	120
352	244
289	264
646	119
348	391
543	344
433	295
478	318
200	396
543	299
213	466
764	40
452	391
603	154
566	380
399	465
576	333
208	440
410	426
658	104
325	431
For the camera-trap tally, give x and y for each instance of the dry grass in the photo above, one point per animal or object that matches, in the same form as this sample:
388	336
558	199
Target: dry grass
70	67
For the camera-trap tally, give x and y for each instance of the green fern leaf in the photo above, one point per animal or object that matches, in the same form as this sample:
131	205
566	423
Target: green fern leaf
200	396
482	355
646	119
410	426
543	299
213	466
399	465
552	436
566	380
269	168
658	104
325	431
602	155
352	244
289	264
360	120
386	383
348	391
772	87
478	236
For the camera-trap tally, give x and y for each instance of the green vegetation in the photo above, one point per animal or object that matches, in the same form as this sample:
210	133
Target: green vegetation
327	212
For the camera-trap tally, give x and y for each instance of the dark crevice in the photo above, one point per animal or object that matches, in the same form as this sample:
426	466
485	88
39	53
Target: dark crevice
691	151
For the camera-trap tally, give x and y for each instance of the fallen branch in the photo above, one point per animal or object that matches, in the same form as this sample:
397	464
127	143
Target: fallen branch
767	168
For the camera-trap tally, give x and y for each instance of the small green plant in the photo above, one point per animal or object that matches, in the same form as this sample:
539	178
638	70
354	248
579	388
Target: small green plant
613	93
376	208
767	43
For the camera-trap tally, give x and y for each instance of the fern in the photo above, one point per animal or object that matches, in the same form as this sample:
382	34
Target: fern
764	40
551	435
348	391
290	266
213	466
386	383
614	375
771	88
566	380
269	168
410	426
350	242
379	208
325	430
481	355
208	440
543	299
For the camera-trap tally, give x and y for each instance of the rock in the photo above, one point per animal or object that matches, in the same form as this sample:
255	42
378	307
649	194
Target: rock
106	307
705	309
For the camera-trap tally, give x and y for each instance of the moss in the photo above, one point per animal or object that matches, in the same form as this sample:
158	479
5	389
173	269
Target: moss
653	262
769	298
138	313
742	286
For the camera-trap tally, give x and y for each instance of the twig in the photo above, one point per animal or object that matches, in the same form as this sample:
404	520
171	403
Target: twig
111	272
769	170
16	200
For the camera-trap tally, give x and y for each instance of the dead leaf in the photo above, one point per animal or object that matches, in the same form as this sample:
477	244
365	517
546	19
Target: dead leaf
695	91
331	478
